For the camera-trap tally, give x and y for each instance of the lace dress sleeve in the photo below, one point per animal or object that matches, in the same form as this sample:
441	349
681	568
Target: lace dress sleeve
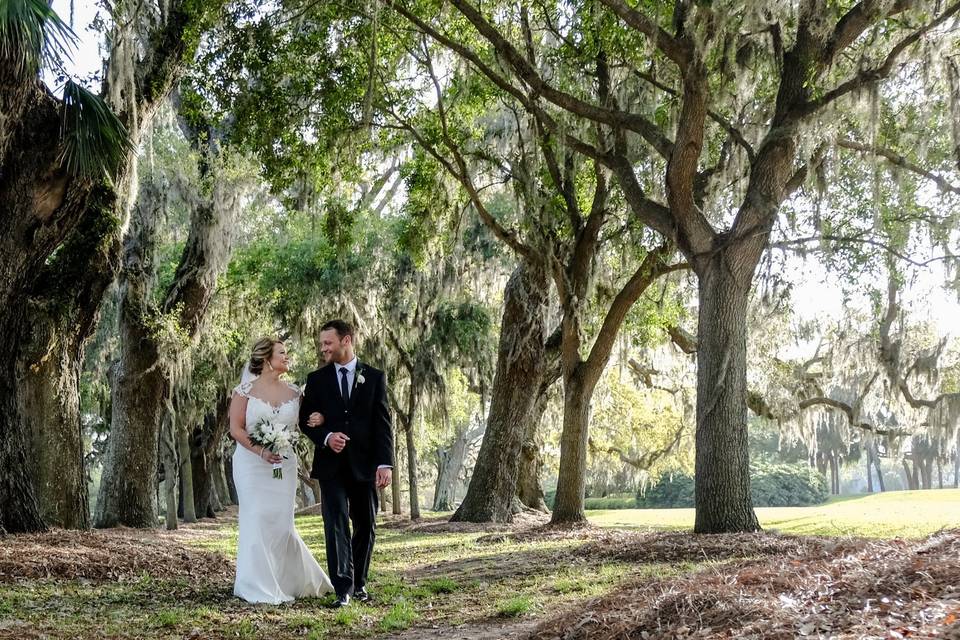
243	389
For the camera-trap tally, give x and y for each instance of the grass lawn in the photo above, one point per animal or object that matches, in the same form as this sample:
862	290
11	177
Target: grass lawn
907	514
427	580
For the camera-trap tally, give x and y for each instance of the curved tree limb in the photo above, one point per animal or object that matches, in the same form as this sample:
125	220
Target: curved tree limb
899	160
870	76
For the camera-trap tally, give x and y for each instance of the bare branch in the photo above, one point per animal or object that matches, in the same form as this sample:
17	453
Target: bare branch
890	355
851	416
853	23
653	266
647	459
898	160
869	76
796	242
528	74
683	339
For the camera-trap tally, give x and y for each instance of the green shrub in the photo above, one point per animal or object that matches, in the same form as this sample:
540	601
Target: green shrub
771	485
610	502
672	490
550	497
787	485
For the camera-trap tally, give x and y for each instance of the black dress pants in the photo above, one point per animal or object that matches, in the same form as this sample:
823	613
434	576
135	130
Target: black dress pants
348	501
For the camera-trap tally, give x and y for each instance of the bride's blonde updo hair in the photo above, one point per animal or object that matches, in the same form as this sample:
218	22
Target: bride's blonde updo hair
261	353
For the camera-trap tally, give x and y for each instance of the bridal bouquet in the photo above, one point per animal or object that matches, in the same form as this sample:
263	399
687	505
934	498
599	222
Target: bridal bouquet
275	437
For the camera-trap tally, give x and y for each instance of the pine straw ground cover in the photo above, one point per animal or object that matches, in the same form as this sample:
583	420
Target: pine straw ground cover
784	587
453	581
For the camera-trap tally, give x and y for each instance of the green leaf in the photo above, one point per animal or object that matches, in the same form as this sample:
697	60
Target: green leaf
95	142
32	35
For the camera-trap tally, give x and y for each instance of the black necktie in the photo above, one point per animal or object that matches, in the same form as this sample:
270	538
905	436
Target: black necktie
344	391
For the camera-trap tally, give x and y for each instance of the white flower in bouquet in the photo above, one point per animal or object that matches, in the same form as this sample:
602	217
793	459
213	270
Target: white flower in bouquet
274	437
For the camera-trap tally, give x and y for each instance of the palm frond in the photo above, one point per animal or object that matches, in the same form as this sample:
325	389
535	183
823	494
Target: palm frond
94	140
32	36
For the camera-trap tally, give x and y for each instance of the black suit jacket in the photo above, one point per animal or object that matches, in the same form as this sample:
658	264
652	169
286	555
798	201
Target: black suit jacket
365	419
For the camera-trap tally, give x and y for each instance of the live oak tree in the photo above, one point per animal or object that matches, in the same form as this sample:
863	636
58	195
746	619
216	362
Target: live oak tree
427	311
157	333
66	186
562	216
733	102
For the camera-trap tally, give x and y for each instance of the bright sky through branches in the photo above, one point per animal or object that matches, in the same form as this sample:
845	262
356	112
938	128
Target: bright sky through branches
816	294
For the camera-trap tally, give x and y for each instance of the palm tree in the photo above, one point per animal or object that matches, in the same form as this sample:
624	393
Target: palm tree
65	175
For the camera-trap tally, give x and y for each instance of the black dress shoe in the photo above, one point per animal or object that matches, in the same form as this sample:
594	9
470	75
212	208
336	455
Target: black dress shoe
362	595
341	601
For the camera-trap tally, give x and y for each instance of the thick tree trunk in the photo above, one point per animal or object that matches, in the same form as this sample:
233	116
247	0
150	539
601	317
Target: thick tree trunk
880	483
128	484
44	320
722	488
204	454
571	485
869	457
910	473
873	462
135	409
219	479
529	490
171	475
520	364
926	471
444	489
63	312
50	406
40	207
451	461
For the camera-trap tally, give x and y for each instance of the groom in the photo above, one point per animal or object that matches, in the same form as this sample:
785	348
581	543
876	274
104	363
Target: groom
353	458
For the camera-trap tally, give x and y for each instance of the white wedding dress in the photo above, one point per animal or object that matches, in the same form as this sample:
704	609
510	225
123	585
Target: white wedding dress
273	563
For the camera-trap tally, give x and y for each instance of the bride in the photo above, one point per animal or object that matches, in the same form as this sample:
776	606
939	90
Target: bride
273	563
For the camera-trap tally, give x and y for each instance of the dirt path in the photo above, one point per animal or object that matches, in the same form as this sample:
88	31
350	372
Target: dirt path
492	630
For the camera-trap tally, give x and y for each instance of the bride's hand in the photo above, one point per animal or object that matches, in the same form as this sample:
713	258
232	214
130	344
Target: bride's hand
270	457
315	420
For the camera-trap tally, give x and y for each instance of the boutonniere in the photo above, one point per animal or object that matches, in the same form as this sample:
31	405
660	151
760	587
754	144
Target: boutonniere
360	378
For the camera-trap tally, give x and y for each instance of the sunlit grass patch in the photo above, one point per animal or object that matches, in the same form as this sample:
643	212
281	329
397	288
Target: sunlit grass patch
909	514
166	618
304	624
346	616
400	616
514	607
440	585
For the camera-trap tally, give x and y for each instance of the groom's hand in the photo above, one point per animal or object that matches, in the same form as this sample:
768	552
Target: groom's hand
337	441
384	477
